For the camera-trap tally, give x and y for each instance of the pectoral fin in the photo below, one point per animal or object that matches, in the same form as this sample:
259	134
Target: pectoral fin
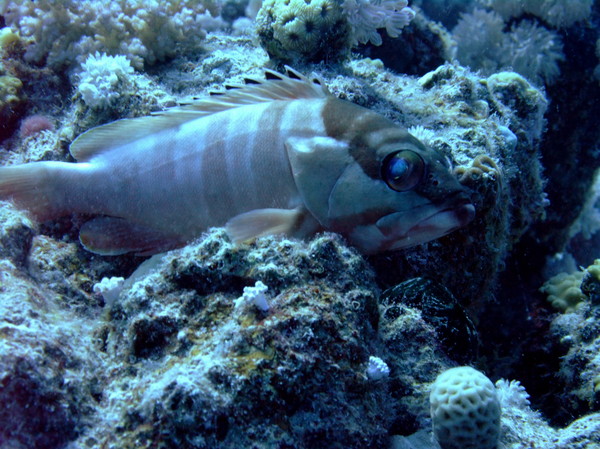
260	222
111	236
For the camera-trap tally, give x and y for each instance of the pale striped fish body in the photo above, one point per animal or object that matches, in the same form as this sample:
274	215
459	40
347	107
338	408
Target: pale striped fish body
184	180
276	156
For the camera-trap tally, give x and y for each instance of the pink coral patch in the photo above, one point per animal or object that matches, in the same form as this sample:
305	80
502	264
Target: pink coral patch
34	124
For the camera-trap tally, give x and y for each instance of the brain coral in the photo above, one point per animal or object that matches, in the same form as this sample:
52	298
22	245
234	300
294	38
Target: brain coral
465	410
291	29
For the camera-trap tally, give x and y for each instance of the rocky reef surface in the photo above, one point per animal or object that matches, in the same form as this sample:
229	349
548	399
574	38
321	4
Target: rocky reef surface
186	349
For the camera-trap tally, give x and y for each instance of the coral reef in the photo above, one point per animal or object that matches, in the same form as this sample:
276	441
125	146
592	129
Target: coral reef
501	117
47	393
144	32
189	351
292	344
578	333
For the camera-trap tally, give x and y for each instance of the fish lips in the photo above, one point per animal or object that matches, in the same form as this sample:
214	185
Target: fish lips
429	225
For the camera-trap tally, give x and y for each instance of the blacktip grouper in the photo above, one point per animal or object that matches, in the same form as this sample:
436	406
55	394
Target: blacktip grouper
279	155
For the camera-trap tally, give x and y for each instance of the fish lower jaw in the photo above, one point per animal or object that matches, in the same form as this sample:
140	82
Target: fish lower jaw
436	226
391	232
430	228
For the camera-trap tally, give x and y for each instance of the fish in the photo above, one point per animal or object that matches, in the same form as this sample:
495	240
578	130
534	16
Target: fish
274	155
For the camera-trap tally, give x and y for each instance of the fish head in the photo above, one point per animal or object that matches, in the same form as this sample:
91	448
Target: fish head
407	198
383	190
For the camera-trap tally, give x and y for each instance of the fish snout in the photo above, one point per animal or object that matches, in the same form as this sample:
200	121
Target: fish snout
463	208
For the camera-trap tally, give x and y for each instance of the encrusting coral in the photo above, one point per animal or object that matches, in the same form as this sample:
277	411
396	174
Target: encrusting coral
564	292
296	29
317	30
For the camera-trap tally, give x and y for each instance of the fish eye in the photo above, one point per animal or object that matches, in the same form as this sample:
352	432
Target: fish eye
402	170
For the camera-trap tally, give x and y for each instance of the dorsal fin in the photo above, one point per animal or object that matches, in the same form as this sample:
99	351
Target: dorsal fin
276	86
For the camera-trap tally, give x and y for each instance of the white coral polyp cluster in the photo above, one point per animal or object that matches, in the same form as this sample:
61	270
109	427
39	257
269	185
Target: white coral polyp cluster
528	48
377	369
100	77
146	31
367	16
512	394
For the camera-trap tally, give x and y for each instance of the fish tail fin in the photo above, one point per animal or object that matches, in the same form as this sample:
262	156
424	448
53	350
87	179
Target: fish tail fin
32	187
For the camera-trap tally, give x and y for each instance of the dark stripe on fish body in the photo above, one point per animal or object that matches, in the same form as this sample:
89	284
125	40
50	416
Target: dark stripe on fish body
366	133
216	195
353	124
264	158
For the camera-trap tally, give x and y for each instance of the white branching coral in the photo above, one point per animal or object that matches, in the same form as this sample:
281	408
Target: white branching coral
367	16
255	295
64	33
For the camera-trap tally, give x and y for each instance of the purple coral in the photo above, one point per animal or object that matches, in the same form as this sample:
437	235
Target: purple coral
367	16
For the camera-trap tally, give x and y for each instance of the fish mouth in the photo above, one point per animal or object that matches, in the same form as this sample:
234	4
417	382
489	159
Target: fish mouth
446	220
430	227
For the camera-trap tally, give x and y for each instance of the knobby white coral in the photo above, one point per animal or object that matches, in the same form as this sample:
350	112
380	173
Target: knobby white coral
367	16
100	76
256	295
109	288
